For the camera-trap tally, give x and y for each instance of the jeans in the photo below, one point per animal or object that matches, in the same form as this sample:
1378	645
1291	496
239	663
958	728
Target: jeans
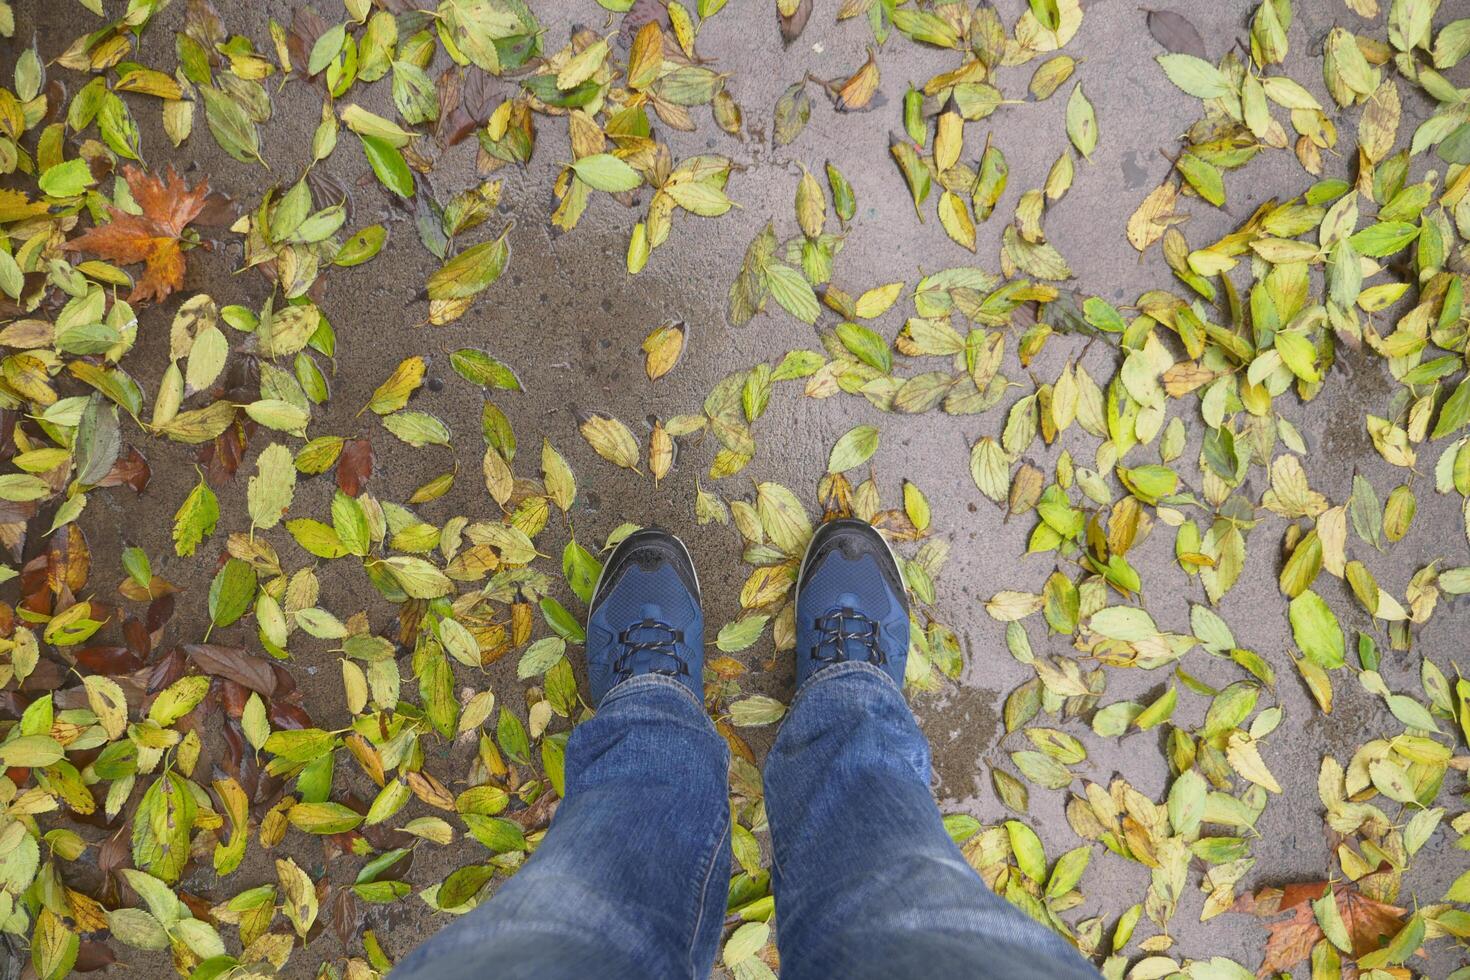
631	878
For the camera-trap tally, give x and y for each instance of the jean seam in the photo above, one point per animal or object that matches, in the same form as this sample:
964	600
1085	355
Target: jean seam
650	682
709	873
835	672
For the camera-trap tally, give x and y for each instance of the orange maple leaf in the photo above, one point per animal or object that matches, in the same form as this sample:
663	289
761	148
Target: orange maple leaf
1370	923
151	237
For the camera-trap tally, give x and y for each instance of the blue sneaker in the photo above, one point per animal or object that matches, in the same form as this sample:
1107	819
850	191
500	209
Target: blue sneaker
645	616
850	602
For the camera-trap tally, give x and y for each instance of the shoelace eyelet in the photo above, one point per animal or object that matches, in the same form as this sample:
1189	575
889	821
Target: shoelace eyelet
833	631
664	645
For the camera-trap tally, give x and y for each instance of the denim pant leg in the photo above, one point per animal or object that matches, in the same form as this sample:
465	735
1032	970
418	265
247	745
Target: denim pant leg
632	876
867	881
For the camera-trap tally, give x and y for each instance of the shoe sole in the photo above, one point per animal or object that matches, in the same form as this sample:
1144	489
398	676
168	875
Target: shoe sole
629	543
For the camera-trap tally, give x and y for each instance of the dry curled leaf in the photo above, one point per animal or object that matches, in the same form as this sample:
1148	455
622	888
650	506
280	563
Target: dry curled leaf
858	90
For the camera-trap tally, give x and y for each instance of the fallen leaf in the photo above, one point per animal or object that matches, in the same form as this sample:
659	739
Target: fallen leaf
152	237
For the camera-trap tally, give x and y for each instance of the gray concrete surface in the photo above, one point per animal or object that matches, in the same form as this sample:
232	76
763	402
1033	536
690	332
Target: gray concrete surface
569	320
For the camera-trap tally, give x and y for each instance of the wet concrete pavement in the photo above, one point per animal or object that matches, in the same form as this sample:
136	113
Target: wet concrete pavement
569	320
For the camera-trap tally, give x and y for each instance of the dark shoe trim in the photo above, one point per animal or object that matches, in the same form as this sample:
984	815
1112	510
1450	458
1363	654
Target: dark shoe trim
854	538
647	548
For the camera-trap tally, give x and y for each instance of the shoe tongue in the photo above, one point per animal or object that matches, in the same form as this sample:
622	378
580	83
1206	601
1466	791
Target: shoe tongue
650	610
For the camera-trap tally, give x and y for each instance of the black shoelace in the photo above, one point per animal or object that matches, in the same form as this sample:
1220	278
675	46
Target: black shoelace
655	638
841	626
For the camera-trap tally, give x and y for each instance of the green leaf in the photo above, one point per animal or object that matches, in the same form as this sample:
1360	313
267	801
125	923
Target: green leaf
856	446
1384	238
1026	847
1067	872
31	750
478	367
195	519
1204	177
323	818
471	271
605	172
1455	412
326	48
363	245
273	486
1081	122
741	634
1316	630
388	164
541	656
793	292
866	344
1194	75
231	126
66	179
1187	803
231	592
755	711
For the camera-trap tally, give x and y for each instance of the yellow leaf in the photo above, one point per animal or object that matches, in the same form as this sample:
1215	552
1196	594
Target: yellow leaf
498	478
954	215
582	67
1245	758
108	703
611	440
393	393
858	90
876	301
1153	217
660	452
663	347
811	205
949	139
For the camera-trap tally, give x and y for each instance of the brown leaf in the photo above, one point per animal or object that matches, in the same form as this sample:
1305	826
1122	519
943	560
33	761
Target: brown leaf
135	634
151	237
306	26
795	23
169	668
467	97
1175	32
234	663
108	660
92	956
283	714
355	466
1291	941
1370	923
346	916
642	12
160	611
222	455
130	470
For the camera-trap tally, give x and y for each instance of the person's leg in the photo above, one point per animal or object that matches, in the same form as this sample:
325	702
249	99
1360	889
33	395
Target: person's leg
867	881
631	877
